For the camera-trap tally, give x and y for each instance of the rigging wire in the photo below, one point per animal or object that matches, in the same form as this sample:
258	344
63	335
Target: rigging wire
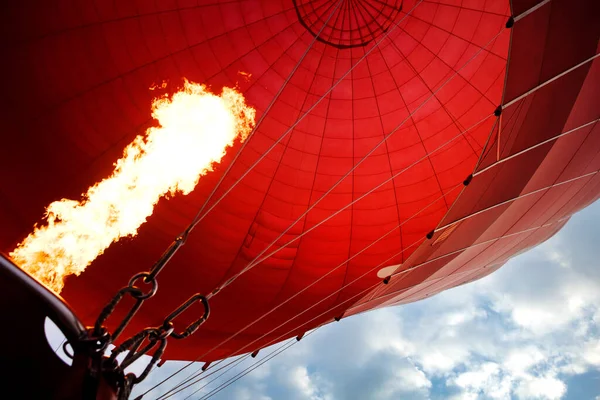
248	369
187	382
395	293
218	376
198	217
228	366
229	379
258	364
288	243
330	294
342	264
388	180
257	260
368	154
198	372
254	262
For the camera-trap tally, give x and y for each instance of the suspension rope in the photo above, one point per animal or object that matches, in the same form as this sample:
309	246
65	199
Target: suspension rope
411	269
200	374
532	9
549	81
258	364
322	277
477	245
516	198
228	367
256	260
433	93
339	266
238	362
535	146
181	239
197	218
189	382
292	224
357	295
229	379
300	119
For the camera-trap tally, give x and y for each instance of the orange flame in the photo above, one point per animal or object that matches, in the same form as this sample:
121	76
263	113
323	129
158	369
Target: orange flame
195	129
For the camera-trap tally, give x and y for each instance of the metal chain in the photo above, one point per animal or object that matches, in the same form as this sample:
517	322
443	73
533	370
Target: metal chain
155	337
137	293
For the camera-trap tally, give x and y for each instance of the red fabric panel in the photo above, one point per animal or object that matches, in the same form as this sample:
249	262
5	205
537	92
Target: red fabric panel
78	78
518	203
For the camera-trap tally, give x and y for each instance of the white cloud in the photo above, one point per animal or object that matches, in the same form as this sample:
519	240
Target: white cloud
592	352
437	361
520	360
559	258
546	387
404	380
485	379
461	317
246	393
539	319
301	381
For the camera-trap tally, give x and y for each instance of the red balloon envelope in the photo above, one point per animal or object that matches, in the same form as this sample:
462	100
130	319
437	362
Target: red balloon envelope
425	142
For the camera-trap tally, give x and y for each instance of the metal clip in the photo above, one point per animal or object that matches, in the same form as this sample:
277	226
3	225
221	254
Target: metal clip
155	336
166	257
136	293
194	325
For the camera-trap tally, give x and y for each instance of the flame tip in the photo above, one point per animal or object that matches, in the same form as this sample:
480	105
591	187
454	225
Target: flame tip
195	127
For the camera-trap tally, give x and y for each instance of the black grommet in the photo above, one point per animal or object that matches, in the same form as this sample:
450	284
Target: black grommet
510	23
468	180
430	235
254	353
206	365
337	319
498	111
299	337
387	280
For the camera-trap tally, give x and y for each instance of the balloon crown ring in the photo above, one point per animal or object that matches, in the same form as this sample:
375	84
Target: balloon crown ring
347	23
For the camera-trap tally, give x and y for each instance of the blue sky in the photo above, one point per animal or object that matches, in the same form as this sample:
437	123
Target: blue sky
529	331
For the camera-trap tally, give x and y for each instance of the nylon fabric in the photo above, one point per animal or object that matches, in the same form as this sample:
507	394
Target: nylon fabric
78	85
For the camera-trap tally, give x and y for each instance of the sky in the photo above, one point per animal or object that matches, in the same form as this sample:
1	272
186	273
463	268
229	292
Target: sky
531	330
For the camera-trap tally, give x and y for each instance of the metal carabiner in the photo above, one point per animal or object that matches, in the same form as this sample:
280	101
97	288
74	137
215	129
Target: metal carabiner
135	292
194	325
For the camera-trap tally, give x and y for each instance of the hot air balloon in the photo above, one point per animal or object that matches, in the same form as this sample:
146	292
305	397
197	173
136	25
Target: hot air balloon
399	148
